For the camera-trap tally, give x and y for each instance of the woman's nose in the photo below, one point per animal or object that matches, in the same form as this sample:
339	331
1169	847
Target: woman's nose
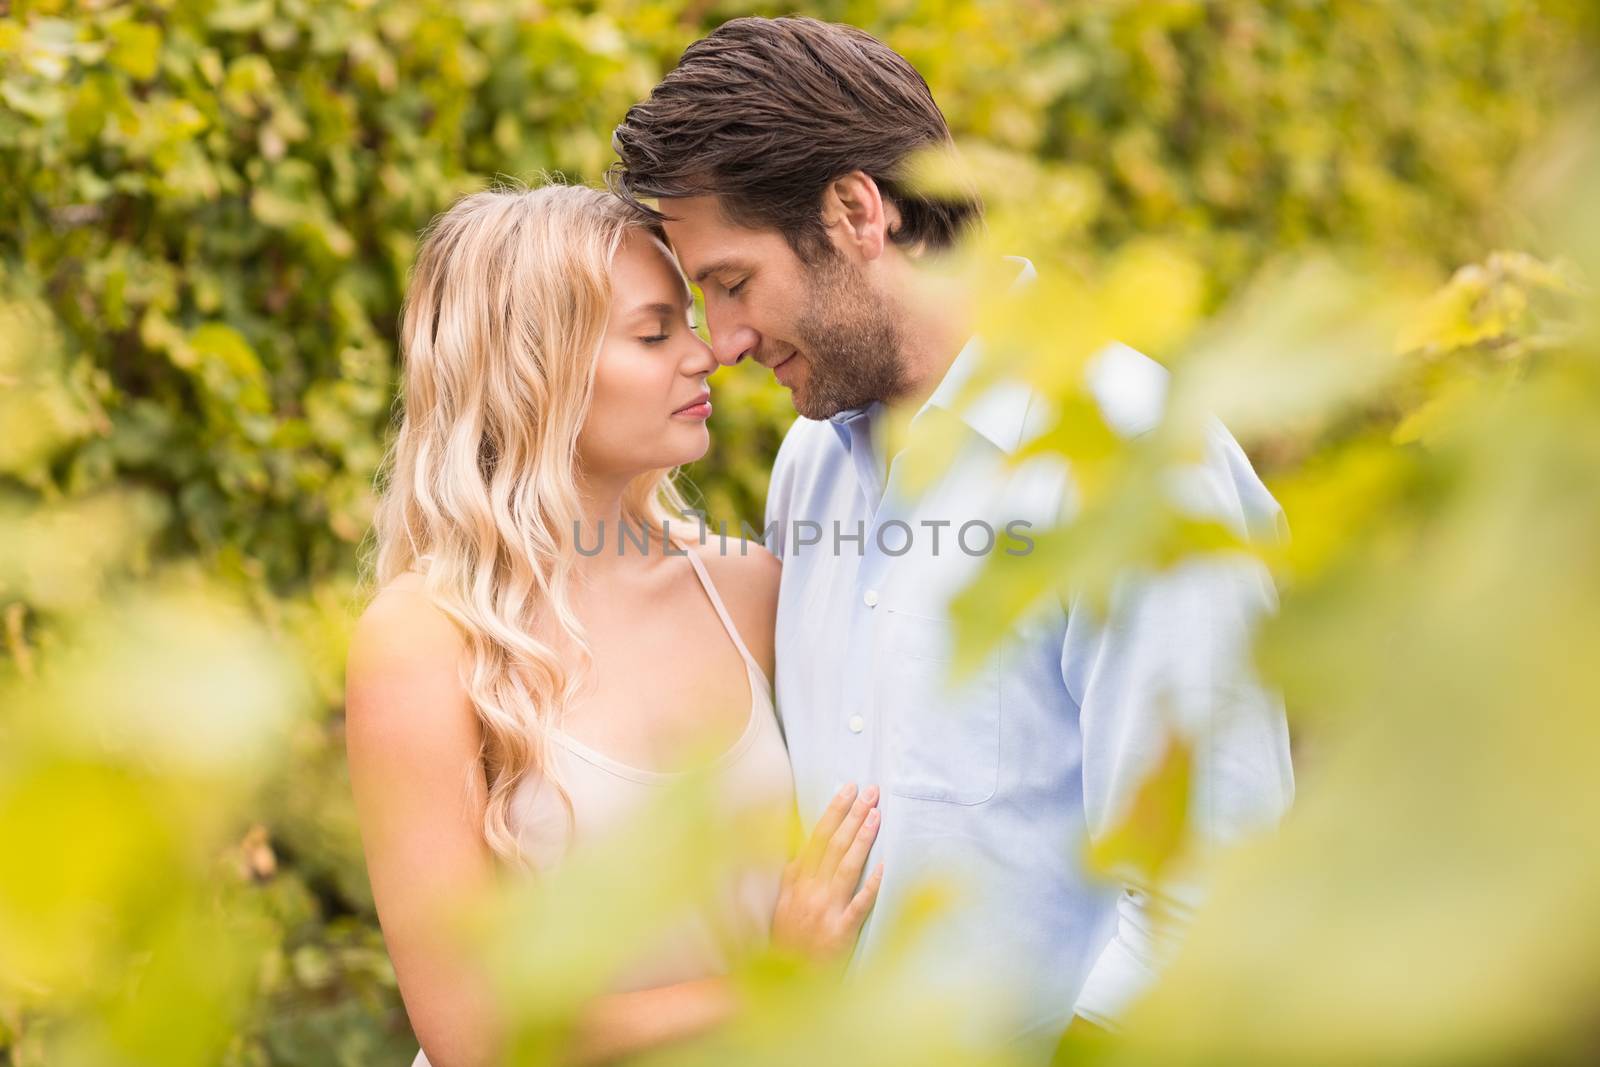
702	358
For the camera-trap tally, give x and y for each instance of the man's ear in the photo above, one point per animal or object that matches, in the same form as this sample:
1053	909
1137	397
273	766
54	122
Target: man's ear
856	215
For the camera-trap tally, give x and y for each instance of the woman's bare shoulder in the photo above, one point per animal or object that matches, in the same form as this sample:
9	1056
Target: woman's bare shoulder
746	576
402	612
745	564
404	661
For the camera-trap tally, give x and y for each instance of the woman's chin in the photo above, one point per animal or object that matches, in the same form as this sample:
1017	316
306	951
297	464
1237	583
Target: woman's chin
690	443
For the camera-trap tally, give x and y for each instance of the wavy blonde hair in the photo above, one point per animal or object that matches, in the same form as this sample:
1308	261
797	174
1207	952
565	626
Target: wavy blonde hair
504	317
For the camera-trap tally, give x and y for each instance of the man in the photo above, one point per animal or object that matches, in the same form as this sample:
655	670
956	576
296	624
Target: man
776	154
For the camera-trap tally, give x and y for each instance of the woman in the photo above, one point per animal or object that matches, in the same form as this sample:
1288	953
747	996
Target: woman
526	679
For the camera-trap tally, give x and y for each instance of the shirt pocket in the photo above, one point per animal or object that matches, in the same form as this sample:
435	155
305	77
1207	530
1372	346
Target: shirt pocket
943	738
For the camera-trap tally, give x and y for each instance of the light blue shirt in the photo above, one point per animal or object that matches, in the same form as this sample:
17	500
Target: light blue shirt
993	786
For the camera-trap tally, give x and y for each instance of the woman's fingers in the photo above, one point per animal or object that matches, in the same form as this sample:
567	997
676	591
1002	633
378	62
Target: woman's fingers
855	913
847	831
854	860
826	826
819	911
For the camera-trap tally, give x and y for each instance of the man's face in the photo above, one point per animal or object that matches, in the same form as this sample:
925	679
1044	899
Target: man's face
828	335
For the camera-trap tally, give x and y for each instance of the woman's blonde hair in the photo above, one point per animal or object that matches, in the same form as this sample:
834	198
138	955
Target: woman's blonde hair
504	317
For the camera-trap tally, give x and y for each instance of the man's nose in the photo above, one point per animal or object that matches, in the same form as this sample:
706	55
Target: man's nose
731	342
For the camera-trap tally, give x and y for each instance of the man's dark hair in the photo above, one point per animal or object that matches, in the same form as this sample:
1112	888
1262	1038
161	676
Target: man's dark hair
764	113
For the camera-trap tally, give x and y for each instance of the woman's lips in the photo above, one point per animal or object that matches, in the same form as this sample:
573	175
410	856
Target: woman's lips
700	409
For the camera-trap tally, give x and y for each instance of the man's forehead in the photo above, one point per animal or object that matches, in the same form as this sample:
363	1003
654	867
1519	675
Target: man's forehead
706	241
692	219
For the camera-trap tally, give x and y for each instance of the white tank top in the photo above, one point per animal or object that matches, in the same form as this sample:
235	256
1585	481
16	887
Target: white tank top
752	775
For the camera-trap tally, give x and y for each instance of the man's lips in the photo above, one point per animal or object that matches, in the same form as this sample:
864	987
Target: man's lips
779	368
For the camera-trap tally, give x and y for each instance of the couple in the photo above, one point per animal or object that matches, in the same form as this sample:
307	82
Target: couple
514	693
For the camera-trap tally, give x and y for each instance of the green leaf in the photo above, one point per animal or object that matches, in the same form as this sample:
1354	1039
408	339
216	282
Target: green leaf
1152	832
135	49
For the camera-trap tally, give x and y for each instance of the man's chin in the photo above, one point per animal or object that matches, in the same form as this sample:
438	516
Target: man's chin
806	406
823	400
800	396
816	413
820	404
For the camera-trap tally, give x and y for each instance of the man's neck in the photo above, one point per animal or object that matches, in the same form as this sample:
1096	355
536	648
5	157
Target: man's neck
939	320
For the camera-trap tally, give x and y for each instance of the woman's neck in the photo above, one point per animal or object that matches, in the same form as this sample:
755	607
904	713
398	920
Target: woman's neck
607	542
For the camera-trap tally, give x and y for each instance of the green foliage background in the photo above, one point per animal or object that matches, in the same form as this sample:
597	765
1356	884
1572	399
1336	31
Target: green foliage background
207	211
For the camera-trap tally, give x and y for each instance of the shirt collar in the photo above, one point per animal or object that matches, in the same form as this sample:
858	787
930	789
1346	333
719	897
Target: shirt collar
1000	413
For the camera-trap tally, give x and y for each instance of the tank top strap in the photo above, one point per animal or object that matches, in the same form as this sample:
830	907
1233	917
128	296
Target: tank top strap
722	610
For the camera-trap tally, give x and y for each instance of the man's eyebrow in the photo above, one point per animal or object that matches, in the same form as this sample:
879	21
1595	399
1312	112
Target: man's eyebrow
714	267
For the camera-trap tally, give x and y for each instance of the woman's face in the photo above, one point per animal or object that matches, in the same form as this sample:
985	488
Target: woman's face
651	400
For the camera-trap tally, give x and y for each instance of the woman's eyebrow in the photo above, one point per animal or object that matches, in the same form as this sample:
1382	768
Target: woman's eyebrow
656	310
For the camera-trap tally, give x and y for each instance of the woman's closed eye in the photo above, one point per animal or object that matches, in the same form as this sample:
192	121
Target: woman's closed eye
665	329
661	333
660	327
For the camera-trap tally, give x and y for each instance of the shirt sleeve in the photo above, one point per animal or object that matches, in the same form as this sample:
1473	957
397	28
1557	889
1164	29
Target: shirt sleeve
1170	659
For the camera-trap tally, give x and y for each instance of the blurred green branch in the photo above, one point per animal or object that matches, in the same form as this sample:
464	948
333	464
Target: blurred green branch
206	215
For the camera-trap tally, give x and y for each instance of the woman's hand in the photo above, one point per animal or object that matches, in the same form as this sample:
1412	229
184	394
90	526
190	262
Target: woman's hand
820	911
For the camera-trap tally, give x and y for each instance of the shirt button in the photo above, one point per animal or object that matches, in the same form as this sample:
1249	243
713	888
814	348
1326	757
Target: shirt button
870	598
857	724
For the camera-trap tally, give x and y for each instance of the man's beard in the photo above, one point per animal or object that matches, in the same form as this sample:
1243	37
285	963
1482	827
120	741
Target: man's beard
852	341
